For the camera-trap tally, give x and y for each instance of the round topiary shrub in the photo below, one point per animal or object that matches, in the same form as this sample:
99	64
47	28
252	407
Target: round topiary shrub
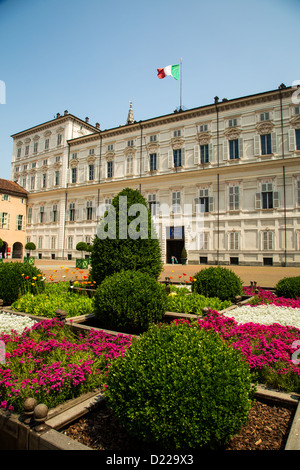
18	278
180	387
217	282
288	287
130	300
126	238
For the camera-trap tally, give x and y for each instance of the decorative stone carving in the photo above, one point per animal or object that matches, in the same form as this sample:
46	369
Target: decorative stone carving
91	159
177	143
109	155
74	163
295	122
232	133
203	138
152	147
264	128
129	151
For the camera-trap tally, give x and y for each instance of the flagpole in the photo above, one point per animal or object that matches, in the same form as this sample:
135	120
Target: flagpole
181	84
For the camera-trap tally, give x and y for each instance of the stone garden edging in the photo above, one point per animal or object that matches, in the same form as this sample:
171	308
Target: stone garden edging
15	435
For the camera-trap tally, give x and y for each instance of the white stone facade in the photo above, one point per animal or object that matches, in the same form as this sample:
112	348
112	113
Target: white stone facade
238	158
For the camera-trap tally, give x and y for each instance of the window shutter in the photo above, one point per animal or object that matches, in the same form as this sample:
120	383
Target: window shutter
16	222
182	157
170	159
146	163
274	142
256	145
257	201
276	199
195	205
225	150
241	148
292	140
51	216
210	154
196	155
84	213
211	204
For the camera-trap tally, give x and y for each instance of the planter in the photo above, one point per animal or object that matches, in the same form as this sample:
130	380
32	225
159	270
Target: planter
82	263
29	260
16	435
183	261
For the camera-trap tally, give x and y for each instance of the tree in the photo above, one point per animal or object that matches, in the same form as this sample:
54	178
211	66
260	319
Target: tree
30	246
82	246
126	238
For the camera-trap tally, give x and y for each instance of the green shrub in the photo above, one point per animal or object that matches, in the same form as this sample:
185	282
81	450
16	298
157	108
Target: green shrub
130	300
194	303
181	387
18	278
289	287
217	282
139	248
55	296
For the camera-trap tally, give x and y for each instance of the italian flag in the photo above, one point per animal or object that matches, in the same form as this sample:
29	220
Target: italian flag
169	70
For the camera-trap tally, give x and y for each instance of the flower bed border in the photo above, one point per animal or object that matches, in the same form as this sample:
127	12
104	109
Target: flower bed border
15	435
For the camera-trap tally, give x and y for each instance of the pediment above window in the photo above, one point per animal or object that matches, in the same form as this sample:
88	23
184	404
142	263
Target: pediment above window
129	152
264	128
232	133
203	138
177	143
74	163
295	122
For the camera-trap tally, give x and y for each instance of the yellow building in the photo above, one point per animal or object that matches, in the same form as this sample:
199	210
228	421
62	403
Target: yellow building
13	202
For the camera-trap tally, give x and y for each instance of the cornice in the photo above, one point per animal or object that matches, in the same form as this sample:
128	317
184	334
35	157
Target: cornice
53	123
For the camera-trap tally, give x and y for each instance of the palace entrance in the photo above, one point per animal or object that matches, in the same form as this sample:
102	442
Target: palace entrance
175	243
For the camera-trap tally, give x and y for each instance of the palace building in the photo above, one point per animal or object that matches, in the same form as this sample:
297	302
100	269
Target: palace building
235	163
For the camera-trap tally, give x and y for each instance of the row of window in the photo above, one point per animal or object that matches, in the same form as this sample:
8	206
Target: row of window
267	198
5	221
233	243
234	240
36	146
234	148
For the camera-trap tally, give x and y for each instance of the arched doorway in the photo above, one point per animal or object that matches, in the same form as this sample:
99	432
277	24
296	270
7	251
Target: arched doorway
3	250
17	250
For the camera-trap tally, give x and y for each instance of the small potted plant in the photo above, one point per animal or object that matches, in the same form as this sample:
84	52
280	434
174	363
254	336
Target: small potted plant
82	263
30	246
183	256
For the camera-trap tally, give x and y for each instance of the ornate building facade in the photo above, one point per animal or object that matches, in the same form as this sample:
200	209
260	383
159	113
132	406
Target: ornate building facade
233	164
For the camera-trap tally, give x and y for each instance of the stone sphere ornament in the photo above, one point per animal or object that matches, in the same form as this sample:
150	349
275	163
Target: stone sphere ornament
29	406
40	416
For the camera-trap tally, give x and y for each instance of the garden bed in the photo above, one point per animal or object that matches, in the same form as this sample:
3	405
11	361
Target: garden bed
268	428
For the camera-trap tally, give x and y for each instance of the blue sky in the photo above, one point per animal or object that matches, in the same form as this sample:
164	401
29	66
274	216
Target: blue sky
92	57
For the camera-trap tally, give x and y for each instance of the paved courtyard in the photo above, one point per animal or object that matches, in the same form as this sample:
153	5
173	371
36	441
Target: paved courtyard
265	276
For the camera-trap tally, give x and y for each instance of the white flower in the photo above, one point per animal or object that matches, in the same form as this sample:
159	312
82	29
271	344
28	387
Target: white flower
10	321
266	315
